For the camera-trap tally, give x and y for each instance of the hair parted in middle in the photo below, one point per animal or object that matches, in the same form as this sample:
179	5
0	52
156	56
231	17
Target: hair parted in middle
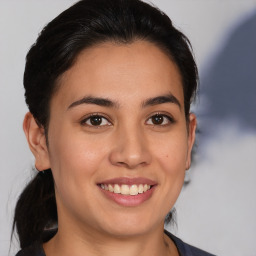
92	22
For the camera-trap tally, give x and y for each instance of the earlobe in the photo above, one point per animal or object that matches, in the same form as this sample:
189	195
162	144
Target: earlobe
191	137
37	142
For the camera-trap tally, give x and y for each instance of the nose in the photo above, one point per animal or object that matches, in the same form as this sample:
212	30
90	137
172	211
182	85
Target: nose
130	149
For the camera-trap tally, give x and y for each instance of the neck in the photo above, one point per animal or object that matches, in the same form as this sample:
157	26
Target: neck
66	242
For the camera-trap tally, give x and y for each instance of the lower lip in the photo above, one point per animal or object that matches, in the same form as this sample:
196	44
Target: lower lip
127	200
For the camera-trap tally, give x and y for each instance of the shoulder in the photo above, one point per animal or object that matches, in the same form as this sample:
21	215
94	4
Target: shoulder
33	250
186	249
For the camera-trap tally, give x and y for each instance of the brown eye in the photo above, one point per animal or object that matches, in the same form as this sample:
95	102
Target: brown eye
96	120
157	119
160	119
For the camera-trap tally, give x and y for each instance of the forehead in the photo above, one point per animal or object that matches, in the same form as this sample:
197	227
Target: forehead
121	71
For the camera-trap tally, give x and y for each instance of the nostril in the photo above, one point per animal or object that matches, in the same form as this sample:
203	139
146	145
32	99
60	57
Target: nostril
123	164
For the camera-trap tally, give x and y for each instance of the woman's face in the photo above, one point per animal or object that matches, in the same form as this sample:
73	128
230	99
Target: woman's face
117	123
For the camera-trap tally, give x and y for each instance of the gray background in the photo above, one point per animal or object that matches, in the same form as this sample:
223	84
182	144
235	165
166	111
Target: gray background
217	210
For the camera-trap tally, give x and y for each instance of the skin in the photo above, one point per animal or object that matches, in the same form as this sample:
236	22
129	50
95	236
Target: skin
126	144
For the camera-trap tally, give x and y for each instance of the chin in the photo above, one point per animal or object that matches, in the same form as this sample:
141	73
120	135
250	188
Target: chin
131	225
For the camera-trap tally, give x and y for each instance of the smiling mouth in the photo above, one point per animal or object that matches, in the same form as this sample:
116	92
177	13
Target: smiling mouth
125	189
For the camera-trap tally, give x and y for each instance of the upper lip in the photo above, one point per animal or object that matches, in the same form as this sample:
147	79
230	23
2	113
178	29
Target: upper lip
129	181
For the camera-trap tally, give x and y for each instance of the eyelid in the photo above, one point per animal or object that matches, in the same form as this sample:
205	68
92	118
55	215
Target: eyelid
88	116
164	114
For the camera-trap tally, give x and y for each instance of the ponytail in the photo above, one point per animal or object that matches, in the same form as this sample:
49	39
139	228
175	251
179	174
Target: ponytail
36	212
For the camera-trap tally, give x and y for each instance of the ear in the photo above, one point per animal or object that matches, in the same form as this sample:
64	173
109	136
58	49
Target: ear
37	142
191	137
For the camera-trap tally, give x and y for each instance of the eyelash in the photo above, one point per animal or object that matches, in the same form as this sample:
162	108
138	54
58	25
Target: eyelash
167	120
89	118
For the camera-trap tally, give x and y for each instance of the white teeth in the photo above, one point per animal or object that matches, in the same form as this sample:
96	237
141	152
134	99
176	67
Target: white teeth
117	189
110	188
146	187
134	190
141	189
125	189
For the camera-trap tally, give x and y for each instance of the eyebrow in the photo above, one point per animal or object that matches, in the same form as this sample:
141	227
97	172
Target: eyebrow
168	98
96	101
104	102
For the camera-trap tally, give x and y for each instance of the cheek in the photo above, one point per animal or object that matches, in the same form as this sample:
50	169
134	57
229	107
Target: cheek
172	154
75	162
73	155
171	158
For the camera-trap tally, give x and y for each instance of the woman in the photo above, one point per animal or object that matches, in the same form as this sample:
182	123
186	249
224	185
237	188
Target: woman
109	86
